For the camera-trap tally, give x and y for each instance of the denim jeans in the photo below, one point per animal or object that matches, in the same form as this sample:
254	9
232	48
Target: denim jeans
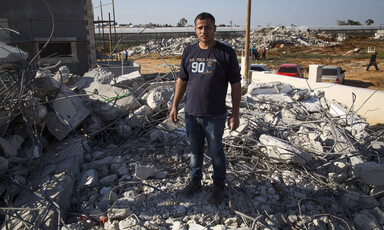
210	128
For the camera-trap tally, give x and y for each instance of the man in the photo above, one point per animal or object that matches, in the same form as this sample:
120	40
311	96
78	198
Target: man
372	61
206	69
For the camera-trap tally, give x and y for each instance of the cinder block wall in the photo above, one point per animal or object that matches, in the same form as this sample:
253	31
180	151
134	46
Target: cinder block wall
369	103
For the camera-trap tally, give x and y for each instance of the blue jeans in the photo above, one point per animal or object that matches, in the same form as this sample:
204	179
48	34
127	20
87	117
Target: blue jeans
210	128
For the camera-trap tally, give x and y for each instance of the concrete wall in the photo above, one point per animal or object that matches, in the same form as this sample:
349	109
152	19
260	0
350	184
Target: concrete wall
32	19
369	103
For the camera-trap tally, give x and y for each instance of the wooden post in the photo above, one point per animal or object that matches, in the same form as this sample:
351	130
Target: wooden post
247	51
110	33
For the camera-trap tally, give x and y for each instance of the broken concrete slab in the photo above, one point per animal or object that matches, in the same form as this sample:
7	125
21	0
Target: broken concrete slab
54	186
110	102
139	117
280	151
99	74
68	112
159	97
127	80
11	54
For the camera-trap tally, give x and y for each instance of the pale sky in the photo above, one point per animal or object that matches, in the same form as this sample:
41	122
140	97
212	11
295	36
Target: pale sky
267	12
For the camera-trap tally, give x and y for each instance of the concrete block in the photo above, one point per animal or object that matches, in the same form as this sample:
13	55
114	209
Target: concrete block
158	97
67	114
128	79
34	111
7	149
100	74
108	180
280	151
139	117
112	102
371	173
89	179
143	172
46	85
62	75
118	214
11	54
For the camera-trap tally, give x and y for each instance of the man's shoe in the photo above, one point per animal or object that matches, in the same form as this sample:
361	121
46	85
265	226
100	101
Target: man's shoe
217	193
191	188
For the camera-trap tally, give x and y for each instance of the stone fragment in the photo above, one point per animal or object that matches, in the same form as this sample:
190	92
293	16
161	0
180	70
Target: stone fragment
118	213
128	79
280	151
62	75
108	180
158	98
89	179
178	225
100	74
139	117
197	227
143	172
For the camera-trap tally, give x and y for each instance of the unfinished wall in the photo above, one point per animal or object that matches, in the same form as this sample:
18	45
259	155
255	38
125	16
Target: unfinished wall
368	103
32	19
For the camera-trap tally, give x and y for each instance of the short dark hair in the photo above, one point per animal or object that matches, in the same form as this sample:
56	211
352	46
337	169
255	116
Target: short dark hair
205	15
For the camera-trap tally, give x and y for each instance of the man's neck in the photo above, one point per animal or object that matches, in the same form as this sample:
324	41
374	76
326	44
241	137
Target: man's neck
205	46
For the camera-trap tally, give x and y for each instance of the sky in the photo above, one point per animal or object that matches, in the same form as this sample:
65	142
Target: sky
263	13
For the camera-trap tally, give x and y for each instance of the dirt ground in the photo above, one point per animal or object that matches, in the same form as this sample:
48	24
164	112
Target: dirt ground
355	64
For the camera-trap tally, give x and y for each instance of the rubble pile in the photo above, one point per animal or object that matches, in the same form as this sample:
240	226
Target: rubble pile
263	37
98	152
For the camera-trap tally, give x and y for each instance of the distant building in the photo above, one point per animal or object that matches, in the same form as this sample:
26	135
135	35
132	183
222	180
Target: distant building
72	41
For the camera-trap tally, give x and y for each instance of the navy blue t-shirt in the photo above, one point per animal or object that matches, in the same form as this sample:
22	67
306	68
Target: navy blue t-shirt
208	72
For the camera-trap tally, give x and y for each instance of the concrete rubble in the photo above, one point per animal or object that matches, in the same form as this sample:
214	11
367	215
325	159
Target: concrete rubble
264	37
98	152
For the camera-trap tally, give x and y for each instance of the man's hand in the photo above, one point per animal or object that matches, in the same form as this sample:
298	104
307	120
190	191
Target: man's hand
173	115
233	122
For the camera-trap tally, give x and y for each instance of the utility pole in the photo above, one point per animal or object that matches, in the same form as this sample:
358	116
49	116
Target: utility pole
247	40
110	33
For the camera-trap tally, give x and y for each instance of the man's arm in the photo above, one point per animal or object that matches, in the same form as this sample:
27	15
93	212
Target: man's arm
233	121
181	86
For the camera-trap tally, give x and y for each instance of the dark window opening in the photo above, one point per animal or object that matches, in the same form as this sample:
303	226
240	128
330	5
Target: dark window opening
329	72
287	70
56	50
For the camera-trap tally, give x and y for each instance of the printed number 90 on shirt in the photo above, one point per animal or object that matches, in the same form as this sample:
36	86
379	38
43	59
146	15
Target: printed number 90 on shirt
198	67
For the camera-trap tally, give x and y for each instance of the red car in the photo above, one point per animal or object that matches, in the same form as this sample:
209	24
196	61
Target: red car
292	70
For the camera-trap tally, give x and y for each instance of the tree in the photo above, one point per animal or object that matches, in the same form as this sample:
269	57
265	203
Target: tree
369	22
349	22
182	22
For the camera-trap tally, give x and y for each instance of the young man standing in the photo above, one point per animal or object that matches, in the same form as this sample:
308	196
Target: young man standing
206	69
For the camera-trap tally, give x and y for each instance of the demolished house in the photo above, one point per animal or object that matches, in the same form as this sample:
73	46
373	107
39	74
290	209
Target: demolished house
97	151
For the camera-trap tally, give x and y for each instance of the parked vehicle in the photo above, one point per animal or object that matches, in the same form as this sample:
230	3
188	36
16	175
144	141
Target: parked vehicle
333	74
258	67
292	70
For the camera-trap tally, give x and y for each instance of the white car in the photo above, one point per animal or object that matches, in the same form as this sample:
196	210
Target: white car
333	74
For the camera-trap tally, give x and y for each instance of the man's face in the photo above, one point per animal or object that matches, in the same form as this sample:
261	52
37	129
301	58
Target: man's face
205	30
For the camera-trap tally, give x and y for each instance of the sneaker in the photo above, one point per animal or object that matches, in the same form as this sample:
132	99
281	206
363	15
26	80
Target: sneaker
217	193
191	188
